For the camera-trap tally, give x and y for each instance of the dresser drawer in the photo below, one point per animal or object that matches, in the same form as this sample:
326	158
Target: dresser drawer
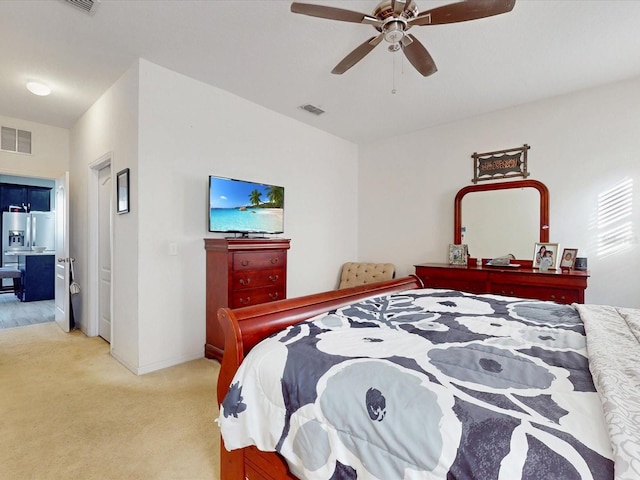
244	279
559	295
254	296
464	279
556	286
455	284
258	260
563	296
453	273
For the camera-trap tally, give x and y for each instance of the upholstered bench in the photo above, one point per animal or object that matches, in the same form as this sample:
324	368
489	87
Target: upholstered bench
361	273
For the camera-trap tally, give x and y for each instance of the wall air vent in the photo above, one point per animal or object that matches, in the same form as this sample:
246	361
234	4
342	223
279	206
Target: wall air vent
14	140
312	109
87	6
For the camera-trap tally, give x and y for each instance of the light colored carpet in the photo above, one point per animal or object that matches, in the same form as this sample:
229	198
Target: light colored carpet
68	410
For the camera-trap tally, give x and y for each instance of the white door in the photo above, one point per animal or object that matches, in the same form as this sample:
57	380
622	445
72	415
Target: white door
62	300
104	253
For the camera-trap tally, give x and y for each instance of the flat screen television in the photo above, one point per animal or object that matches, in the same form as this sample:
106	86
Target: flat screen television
240	206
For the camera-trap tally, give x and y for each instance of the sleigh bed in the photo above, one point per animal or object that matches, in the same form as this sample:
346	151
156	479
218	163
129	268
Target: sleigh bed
392	381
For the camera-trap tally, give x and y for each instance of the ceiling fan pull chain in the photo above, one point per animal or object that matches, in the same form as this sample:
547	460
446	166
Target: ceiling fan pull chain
393	86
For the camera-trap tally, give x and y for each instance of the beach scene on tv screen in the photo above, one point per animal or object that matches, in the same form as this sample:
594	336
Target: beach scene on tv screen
238	206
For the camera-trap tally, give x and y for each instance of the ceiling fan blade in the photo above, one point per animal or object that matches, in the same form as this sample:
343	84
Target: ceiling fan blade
406	40
356	55
332	13
419	57
463	11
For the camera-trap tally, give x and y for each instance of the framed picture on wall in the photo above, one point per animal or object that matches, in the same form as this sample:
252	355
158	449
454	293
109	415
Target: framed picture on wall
458	254
545	256
122	191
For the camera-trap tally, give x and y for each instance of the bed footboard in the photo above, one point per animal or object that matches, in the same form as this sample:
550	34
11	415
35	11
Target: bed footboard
244	327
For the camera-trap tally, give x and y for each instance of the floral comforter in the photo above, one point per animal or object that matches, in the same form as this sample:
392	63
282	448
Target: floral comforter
426	384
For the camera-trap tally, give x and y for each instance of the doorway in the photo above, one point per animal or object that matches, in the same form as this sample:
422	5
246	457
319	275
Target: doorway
13	312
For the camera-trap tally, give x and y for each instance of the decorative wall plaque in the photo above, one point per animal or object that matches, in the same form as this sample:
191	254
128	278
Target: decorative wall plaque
500	164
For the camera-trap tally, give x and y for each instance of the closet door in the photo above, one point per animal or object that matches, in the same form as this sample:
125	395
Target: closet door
104	252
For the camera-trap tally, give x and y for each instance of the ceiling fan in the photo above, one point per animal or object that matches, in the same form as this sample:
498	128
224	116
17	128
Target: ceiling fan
393	19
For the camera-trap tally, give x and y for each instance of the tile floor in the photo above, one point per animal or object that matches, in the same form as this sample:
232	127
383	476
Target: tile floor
14	313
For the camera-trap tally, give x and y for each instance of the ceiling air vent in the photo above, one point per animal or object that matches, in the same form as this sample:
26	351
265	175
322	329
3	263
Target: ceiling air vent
13	140
312	109
87	6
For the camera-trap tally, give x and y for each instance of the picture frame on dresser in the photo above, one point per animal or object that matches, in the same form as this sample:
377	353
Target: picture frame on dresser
458	254
568	258
547	251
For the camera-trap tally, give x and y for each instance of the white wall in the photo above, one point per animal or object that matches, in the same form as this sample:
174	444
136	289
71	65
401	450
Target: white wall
173	132
49	151
110	126
190	130
582	145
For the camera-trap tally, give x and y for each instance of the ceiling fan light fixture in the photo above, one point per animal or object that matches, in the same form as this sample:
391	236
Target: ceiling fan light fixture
38	88
393	30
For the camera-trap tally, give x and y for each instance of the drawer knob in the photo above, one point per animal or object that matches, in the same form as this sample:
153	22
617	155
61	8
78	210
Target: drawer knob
273	296
245	301
245	282
244	263
274	278
274	260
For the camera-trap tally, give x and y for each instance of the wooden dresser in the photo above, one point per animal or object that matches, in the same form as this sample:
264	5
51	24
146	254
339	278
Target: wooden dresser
241	272
562	287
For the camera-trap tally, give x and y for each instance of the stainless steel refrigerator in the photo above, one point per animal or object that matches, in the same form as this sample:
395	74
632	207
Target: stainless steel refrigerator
21	231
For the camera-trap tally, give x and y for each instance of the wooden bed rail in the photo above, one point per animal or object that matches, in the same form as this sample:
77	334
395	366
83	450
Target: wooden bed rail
244	327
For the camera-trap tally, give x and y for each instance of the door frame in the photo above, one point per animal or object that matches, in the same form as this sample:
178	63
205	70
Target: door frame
46	176
93	277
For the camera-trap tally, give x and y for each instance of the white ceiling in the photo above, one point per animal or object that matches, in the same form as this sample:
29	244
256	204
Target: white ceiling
261	51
